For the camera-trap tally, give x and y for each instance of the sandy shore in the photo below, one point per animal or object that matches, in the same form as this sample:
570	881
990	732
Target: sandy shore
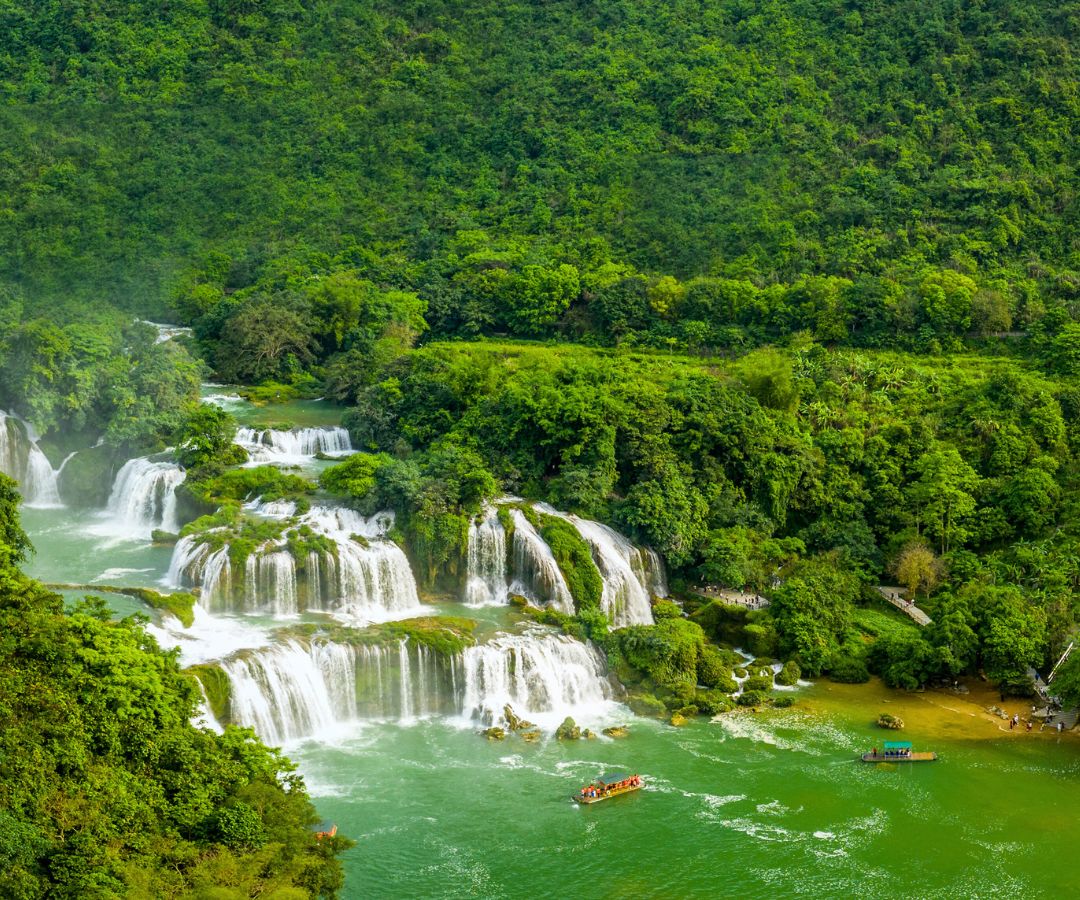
936	712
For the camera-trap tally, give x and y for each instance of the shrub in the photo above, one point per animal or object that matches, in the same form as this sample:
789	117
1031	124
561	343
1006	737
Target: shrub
712	703
758	683
666	609
848	669
790	674
751	698
238	827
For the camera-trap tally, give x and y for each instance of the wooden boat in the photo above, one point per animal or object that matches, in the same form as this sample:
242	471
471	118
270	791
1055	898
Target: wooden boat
898	752
325	830
612	784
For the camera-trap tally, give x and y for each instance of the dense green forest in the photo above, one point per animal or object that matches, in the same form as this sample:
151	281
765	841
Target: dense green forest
690	174
107	789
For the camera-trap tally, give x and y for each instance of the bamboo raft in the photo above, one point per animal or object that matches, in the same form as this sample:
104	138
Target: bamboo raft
608	786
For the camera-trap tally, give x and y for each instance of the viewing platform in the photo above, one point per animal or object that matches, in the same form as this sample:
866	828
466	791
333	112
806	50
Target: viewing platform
735	598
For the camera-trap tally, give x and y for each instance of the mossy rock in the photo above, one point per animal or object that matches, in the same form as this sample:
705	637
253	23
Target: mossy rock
688	712
894	723
616	731
740	672
166	538
712	703
646	705
678	720
589	734
784	702
752	698
531	737
761	683
790	674
86	481
494	733
568	731
514	722
216	686
518	601
574	559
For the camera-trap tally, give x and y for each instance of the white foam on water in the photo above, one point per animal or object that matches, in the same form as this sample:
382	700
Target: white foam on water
115	574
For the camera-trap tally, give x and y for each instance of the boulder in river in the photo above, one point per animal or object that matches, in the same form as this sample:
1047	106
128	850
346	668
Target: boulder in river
617	731
495	733
568	731
514	722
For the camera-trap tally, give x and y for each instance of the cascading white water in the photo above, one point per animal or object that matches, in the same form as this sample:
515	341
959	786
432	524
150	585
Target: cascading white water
536	574
538	673
294	689
270	581
23	460
626	599
367	580
272	446
143	497
195	564
485	581
331	519
290	691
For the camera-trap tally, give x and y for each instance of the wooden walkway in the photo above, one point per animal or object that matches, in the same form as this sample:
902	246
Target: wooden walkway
895	596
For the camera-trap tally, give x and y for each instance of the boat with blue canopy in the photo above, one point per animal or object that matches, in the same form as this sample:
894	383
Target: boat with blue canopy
898	751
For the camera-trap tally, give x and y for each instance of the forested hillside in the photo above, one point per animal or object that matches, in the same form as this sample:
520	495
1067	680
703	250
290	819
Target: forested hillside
697	174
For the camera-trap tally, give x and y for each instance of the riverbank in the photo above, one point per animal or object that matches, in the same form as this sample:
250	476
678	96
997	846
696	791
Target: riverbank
931	714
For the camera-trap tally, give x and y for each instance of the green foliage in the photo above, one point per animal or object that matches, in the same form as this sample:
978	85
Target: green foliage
762	684
205	439
902	176
234	486
103	377
789	674
668	652
109	790
752	698
355	477
813	611
575	561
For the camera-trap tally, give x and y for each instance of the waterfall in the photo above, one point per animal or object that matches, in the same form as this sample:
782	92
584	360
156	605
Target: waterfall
270	581
540	674
195	564
23	460
294	689
368	583
485	583
290	691
143	497
536	575
627	577
363	580
272	446
369	579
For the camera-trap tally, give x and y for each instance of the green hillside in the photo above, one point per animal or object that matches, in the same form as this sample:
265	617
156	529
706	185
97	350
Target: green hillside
516	165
